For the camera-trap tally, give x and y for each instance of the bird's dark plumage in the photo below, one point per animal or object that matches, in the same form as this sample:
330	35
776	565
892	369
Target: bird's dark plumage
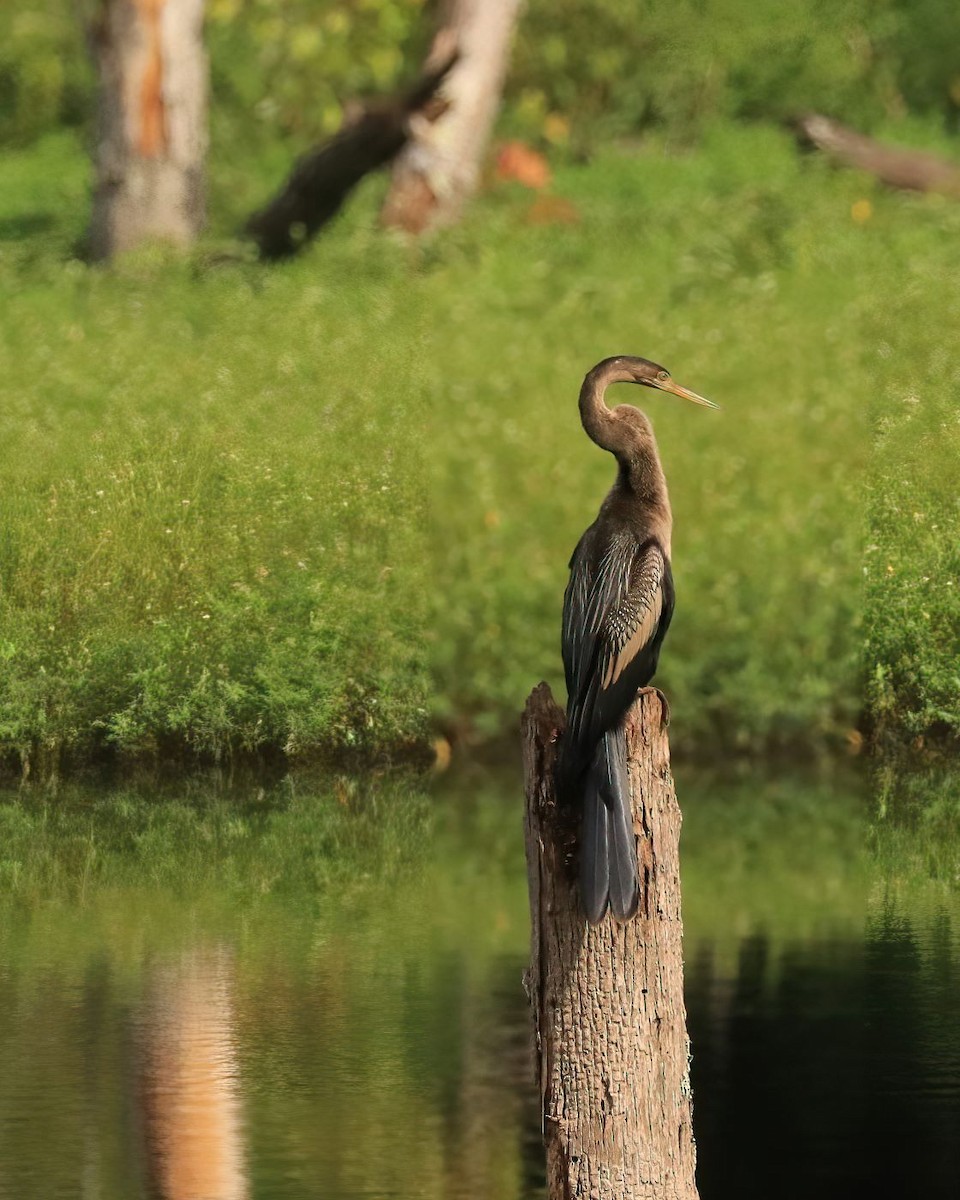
616	612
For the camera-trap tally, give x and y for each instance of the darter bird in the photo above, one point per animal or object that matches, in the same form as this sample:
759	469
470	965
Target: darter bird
616	611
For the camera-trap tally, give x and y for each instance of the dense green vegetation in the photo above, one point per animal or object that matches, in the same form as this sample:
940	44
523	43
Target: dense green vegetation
214	528
251	510
581	70
211	503
912	559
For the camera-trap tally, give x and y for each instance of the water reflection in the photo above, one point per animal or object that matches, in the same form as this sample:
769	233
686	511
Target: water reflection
189	1086
831	1068
387	1070
384	1051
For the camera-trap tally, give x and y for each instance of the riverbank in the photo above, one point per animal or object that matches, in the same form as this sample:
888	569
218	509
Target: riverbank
318	512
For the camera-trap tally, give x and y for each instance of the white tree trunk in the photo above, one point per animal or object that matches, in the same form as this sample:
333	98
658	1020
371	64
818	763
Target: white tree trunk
152	126
440	167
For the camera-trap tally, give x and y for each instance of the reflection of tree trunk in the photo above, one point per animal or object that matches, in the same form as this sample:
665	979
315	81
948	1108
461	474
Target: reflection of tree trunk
151	140
189	1087
611	1033
483	1143
440	167
915	170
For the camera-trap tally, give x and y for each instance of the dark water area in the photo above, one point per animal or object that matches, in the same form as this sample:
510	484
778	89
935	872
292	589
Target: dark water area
839	1075
182	1044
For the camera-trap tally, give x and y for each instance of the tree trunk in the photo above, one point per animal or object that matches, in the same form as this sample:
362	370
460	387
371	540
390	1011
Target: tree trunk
152	124
914	170
610	1023
440	167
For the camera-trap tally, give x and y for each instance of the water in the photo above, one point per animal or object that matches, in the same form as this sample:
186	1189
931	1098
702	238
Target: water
222	1043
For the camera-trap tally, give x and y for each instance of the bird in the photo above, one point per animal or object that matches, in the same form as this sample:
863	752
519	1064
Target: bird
617	608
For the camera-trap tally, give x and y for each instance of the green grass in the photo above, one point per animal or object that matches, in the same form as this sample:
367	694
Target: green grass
212	495
250	509
912	559
739	267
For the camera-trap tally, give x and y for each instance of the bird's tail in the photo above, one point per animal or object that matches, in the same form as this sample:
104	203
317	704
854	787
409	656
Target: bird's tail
608	848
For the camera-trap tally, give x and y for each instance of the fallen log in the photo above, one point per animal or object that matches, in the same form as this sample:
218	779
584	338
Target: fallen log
911	170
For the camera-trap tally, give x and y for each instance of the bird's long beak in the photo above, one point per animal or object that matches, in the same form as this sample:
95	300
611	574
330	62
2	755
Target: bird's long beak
669	386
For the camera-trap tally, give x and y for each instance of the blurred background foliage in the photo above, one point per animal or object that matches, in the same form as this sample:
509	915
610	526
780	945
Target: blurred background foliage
580	70
739	264
737	267
912	556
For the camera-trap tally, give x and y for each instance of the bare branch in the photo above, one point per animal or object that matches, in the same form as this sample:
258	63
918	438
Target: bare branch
322	179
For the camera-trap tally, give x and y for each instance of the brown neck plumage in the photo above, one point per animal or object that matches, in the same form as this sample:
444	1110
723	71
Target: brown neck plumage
626	432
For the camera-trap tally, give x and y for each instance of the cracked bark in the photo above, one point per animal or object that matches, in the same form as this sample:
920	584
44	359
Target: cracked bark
610	1024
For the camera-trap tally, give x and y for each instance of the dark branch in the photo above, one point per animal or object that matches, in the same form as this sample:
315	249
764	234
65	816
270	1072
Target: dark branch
323	178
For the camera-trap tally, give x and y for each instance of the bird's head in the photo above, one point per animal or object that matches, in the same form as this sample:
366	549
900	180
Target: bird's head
625	430
652	375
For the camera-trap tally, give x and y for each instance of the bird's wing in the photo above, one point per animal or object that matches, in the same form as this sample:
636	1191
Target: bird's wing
630	624
575	601
615	614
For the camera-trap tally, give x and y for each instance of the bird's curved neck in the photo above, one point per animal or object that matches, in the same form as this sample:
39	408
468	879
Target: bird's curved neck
632	441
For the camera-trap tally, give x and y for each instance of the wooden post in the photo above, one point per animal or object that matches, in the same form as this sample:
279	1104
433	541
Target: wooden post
610	1023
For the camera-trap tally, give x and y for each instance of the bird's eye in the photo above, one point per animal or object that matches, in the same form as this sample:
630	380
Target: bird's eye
663	376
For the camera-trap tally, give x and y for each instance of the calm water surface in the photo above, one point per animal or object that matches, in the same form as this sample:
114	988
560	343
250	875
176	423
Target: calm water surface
189	1045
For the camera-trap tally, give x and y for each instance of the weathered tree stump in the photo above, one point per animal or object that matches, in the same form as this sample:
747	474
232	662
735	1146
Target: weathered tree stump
610	1023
